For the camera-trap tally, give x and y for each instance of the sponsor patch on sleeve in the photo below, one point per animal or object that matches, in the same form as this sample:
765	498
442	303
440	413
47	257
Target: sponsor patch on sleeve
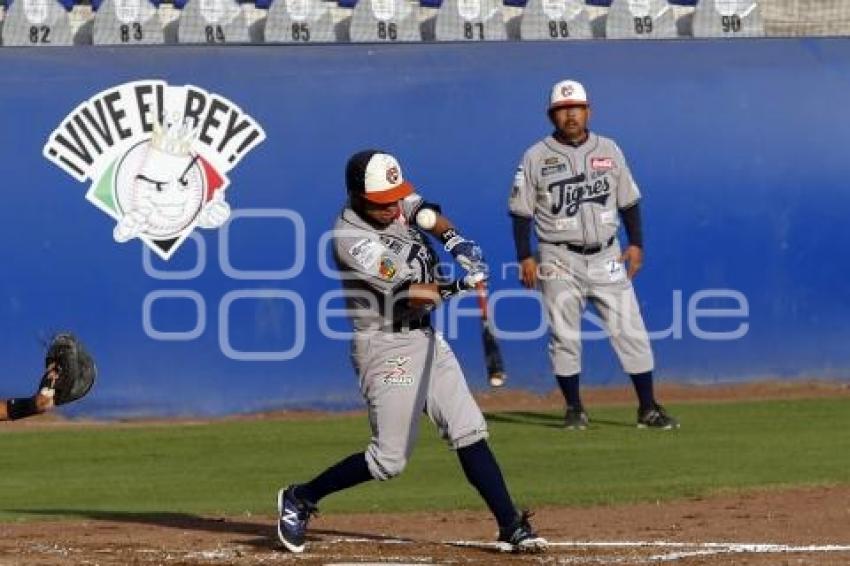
366	253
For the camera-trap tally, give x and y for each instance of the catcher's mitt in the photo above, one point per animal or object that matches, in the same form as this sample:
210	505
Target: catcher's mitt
69	370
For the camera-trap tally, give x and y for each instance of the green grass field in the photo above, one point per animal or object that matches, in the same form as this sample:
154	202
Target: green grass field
236	467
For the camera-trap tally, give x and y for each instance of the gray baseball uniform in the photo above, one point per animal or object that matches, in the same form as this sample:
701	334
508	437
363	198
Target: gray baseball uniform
574	195
403	365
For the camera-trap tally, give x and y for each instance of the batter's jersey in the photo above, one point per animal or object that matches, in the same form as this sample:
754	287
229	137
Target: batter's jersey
573	193
375	263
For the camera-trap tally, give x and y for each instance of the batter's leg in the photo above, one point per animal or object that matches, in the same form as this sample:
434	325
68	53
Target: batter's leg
453	409
395	378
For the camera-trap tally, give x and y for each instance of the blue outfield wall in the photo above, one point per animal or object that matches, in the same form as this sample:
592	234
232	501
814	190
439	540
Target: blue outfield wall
740	148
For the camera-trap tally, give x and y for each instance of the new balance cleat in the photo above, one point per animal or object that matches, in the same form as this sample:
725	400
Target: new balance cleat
656	417
520	537
293	516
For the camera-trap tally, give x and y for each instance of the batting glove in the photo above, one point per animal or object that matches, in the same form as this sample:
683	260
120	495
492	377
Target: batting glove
466	252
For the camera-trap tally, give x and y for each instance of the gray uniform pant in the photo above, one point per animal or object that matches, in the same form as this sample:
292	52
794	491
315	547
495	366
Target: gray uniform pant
568	280
401	375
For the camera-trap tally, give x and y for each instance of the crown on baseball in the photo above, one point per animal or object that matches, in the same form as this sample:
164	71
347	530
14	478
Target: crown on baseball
173	138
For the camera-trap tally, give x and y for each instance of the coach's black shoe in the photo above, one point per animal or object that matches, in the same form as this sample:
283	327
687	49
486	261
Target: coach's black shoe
575	419
293	516
520	537
656	417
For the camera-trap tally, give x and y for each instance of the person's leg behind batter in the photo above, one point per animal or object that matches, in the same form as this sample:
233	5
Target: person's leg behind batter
614	297
563	296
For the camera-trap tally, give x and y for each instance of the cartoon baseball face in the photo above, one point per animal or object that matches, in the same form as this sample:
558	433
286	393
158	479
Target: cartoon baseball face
168	190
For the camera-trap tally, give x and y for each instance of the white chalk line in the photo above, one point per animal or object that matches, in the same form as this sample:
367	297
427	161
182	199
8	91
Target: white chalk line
676	550
687	549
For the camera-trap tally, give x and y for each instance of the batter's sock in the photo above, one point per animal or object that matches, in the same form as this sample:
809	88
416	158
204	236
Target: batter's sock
342	475
570	388
643	388
483	472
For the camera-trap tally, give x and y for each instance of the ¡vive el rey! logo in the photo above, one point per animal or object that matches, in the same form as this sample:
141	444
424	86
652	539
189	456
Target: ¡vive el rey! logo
157	157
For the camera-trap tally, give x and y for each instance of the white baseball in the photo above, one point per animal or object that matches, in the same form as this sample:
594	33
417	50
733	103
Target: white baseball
426	218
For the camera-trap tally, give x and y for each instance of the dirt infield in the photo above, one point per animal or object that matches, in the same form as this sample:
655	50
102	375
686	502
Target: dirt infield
761	527
689	532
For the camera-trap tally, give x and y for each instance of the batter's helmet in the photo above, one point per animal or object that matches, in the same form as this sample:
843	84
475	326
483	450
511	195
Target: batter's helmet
376	176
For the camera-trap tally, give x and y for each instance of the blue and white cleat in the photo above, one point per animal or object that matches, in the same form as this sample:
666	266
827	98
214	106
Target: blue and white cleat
520	537
293	516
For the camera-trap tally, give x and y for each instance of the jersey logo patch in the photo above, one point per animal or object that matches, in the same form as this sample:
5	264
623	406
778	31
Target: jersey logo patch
601	163
552	169
387	268
366	253
398	374
392	175
567	197
395	245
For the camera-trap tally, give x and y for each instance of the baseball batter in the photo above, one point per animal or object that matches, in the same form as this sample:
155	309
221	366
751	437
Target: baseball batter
574	186
389	272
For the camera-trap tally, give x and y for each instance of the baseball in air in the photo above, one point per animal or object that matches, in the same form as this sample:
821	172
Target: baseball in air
426	218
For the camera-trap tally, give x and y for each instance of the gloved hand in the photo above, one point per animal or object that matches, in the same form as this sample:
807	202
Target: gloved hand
473	278
466	283
466	252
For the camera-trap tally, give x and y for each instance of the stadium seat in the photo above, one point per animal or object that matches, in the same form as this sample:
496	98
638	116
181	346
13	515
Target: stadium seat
470	20
728	18
299	21
212	21
384	20
554	19
123	22
640	19
41	23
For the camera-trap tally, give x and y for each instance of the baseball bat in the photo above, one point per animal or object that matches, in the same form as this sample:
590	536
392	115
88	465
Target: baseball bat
492	353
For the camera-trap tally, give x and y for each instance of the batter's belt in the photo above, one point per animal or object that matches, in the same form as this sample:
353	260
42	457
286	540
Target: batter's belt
408	325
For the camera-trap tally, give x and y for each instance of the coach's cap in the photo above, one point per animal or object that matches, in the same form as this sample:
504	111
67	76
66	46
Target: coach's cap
377	176
567	93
